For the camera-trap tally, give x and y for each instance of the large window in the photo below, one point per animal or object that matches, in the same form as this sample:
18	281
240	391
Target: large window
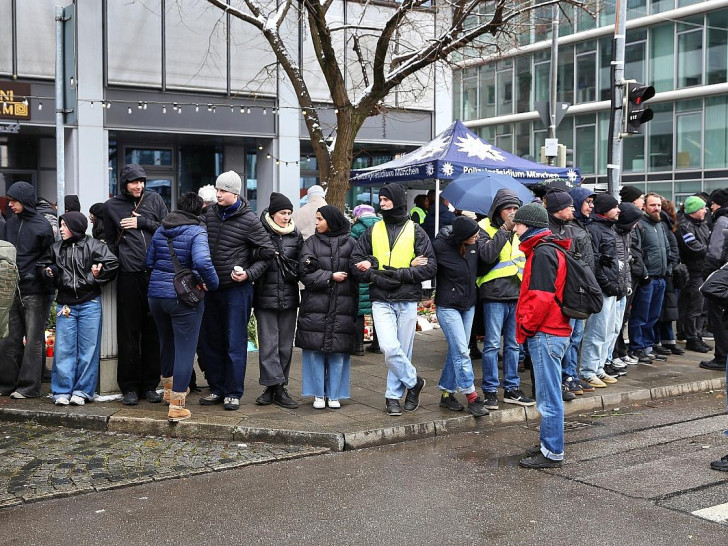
660	138
524	81
504	98
689	134
586	72
635	53
585	148
565	83
717	62
487	91
716	133
605	63
541	69
662	63
690	52
470	93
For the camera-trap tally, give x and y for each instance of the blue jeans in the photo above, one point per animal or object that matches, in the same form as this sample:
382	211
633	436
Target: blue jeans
571	359
597	333
457	374
396	323
325	374
616	327
499	318
179	328
77	352
546	353
224	338
646	308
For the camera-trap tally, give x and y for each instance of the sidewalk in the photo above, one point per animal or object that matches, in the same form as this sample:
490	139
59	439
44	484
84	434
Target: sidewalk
361	421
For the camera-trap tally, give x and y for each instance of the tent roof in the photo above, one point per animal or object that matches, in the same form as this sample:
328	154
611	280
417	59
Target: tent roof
455	151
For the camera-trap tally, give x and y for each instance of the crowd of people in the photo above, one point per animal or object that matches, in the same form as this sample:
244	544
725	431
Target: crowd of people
311	275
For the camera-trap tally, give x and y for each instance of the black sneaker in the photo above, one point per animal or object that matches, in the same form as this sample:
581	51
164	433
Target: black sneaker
660	350
712	365
661	358
706	346
538	461
283	399
566	395
476	408
614	372
412	400
674	349
641	356
211	399
451	403
358	350
153	397
374	349
721	465
533	450
131	398
490	400
697	345
266	399
516	396
394	408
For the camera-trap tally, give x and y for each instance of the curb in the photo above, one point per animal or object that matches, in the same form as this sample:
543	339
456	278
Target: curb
344	441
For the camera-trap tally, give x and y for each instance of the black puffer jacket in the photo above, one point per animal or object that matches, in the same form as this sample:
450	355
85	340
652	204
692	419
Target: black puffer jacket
693	238
233	240
272	291
71	267
606	262
32	237
131	245
456	274
327	317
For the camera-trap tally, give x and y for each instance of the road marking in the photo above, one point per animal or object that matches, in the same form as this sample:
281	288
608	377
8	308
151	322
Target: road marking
718	513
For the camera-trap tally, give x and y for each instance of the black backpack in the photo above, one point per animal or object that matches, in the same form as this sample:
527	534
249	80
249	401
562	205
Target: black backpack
582	294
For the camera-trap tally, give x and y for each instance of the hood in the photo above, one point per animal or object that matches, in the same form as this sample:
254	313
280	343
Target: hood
665	217
76	223
546	235
129	173
180	218
25	194
97	209
71	203
502	198
629	215
579	195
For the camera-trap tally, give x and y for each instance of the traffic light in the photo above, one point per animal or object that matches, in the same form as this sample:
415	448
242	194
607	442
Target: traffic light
635	112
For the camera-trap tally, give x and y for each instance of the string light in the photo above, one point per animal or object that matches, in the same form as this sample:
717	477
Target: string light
164	109
128	110
248	109
197	107
265	111
40	106
140	105
92	105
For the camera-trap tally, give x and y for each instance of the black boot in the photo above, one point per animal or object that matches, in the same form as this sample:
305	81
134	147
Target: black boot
358	350
283	399
266	398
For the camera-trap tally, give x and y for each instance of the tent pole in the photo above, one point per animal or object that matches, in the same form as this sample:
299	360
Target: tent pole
437	206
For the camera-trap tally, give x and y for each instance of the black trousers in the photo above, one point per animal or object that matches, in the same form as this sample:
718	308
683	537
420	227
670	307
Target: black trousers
138	366
690	305
716	316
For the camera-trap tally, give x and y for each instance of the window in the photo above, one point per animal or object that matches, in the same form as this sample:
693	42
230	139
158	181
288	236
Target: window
6	38
605	64
586	74
504	98
717	62
149	157
662	65
541	69
146	44
470	94
634	60
251	178
524	81
690	53
661	130
658	6
716	133
487	91
585	148
457	90
688	138
565	83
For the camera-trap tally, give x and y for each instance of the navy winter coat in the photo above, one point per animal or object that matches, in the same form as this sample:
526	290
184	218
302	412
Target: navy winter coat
190	245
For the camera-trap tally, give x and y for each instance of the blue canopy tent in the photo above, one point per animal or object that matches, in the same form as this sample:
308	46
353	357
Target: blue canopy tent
455	151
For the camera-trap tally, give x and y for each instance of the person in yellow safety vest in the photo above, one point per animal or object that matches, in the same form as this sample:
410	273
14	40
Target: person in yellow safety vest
395	256
498	292
419	211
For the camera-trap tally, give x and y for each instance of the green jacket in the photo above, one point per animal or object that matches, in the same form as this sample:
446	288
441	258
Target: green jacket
359	227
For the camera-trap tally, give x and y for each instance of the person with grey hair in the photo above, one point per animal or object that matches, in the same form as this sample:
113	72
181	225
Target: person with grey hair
209	196
305	217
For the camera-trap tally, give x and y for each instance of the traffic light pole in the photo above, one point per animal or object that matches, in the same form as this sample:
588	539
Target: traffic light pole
614	147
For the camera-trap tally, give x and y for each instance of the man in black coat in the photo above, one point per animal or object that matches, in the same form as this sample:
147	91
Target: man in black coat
31	234
130	220
240	249
395	258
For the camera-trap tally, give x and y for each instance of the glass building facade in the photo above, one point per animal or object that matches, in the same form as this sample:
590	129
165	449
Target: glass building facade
678	46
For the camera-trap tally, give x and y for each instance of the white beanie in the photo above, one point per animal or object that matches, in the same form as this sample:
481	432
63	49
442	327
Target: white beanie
229	181
315	190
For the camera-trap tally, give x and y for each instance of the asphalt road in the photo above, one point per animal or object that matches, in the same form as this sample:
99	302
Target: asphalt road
637	475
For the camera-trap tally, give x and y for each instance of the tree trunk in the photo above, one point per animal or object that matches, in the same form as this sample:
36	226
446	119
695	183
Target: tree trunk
341	158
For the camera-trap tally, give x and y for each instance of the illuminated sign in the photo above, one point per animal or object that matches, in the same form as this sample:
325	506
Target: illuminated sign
13	100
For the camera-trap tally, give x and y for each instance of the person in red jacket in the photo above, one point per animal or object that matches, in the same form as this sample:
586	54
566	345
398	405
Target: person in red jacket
544	327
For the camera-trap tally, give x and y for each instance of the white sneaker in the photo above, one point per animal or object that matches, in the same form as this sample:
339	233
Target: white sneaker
629	360
618	363
334	404
78	400
17	395
319	402
61	401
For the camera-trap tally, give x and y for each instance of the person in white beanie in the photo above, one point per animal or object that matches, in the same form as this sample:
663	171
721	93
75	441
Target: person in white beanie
305	217
240	248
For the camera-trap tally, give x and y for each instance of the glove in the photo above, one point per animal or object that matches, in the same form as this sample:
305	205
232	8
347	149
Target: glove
645	281
385	282
606	260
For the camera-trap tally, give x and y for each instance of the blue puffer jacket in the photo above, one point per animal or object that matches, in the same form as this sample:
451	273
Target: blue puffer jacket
190	246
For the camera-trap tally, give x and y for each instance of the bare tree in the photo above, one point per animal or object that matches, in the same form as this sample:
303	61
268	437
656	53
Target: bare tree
388	53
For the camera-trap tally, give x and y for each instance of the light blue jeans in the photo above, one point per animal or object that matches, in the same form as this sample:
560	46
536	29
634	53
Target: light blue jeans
499	318
546	353
396	323
571	359
325	374
457	374
617	328
598	331
78	348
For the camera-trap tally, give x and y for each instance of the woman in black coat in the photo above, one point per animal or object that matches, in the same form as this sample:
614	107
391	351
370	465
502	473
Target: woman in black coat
276	303
327	318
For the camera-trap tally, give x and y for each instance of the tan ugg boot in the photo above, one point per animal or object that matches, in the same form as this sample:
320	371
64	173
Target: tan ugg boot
177	411
167	384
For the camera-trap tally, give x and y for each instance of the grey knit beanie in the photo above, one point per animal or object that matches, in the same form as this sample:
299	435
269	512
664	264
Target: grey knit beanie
229	181
532	215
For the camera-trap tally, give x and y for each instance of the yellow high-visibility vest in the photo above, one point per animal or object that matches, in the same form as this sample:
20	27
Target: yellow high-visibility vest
420	214
403	251
511	260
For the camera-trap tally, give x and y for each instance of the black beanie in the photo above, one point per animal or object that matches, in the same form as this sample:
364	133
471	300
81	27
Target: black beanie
629	214
279	202
71	203
76	222
720	197
464	228
604	202
532	215
557	199
630	193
